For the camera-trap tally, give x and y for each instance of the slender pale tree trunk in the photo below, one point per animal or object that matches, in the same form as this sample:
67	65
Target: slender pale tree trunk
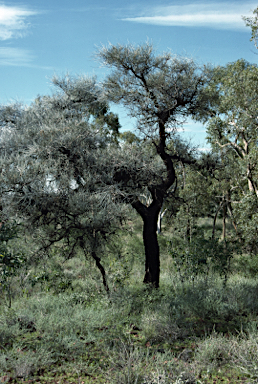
224	221
160	217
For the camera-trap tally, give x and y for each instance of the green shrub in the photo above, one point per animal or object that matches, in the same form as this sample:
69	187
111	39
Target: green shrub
200	256
11	260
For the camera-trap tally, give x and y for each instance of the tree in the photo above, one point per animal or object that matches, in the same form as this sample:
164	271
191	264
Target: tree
232	131
56	173
253	23
234	126
160	91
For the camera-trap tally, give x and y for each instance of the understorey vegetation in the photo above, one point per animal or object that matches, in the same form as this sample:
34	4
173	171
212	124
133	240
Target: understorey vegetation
64	327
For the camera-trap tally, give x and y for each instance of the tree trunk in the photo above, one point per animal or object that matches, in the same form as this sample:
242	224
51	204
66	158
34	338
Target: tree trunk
160	217
102	271
149	217
224	221
230	211
215	219
152	262
188	226
97	260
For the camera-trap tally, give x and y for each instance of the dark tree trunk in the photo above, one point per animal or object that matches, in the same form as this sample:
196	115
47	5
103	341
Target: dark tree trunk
102	271
97	261
149	217
150	240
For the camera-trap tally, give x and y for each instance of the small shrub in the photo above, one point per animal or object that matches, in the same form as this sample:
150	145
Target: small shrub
135	365
22	363
213	352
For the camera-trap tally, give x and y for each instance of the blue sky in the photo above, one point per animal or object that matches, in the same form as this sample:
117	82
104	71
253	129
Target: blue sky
41	38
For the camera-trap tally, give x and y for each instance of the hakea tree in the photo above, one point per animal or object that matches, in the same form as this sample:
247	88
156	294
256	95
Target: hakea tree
159	92
55	172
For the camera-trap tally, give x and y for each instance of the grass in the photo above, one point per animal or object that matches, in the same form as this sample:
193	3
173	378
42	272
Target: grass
190	331
173	335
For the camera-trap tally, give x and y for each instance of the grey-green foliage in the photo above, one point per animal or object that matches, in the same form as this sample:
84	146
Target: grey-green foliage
252	22
151	86
56	166
25	363
133	335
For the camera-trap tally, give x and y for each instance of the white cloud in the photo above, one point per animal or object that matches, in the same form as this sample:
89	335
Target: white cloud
13	21
225	15
19	57
15	56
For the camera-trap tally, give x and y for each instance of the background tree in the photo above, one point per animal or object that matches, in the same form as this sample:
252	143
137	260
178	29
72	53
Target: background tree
160	91
253	23
232	131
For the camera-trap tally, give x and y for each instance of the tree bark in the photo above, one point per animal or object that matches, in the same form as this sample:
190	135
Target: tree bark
149	217
150	240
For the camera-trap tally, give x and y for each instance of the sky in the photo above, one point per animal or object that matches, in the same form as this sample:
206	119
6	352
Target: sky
43	38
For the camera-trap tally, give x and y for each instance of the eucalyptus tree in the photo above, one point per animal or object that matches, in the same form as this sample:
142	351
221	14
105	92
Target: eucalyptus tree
56	173
233	132
233	126
253	23
160	92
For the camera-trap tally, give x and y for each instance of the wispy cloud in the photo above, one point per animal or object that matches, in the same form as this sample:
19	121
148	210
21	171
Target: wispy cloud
13	21
19	57
221	15
15	56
